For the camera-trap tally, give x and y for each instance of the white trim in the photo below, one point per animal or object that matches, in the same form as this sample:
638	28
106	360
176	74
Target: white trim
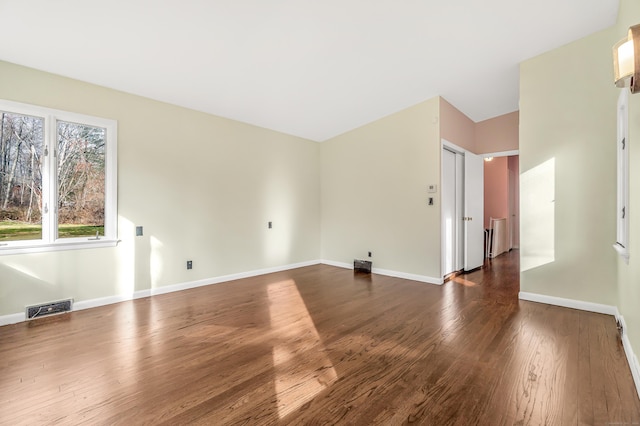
622	251
76	244
569	303
230	277
48	242
12	319
338	264
102	301
407	276
396	274
452	146
622	172
501	154
632	359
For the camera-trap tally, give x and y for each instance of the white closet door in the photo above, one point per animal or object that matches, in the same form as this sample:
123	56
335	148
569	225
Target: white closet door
473	211
448	212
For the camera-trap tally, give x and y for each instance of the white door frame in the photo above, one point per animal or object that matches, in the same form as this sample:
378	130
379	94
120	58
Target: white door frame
451	184
453	147
500	154
459	239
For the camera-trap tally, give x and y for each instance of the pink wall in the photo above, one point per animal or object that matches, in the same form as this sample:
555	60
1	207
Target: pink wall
497	134
456	127
493	135
496	189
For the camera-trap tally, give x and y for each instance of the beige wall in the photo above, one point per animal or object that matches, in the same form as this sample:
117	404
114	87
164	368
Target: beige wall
374	190
497	134
629	275
568	114
456	127
203	187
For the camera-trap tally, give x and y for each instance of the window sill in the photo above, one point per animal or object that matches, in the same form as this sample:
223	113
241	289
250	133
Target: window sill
623	252
76	244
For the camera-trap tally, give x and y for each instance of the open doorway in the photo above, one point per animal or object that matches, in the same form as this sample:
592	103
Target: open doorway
501	206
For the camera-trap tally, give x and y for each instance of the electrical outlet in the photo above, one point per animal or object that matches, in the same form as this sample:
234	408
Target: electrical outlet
369	254
189	264
270	225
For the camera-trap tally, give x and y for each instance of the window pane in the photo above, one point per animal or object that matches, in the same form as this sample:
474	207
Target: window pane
21	148
81	180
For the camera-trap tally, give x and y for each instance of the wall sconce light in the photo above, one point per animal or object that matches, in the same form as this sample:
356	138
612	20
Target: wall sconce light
626	60
487	159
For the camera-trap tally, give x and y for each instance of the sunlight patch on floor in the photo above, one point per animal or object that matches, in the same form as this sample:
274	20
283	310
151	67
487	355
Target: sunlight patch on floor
464	282
298	378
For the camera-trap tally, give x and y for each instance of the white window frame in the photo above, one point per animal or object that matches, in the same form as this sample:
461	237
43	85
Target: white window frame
622	148
49	195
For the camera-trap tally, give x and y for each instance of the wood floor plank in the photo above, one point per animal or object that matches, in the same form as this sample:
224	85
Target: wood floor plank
321	345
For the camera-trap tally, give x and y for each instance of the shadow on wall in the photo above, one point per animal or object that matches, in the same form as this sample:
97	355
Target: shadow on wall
82	275
23	284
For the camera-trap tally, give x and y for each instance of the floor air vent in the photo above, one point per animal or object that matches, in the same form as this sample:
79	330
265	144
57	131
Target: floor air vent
51	308
362	266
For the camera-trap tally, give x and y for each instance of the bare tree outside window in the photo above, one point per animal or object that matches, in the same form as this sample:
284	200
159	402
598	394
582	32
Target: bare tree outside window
80	167
81	180
58	180
21	152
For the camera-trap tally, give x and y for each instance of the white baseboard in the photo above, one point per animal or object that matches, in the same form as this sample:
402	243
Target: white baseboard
632	359
12	318
569	303
93	303
102	301
407	276
404	275
230	277
338	264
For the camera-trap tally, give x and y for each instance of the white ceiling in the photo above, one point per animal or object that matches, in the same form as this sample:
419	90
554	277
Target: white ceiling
309	68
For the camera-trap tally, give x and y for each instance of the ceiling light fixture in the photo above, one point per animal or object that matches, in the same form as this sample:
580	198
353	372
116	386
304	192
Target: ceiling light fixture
488	159
626	60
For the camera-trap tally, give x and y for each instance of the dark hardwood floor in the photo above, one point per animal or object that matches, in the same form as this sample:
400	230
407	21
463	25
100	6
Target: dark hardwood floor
320	345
